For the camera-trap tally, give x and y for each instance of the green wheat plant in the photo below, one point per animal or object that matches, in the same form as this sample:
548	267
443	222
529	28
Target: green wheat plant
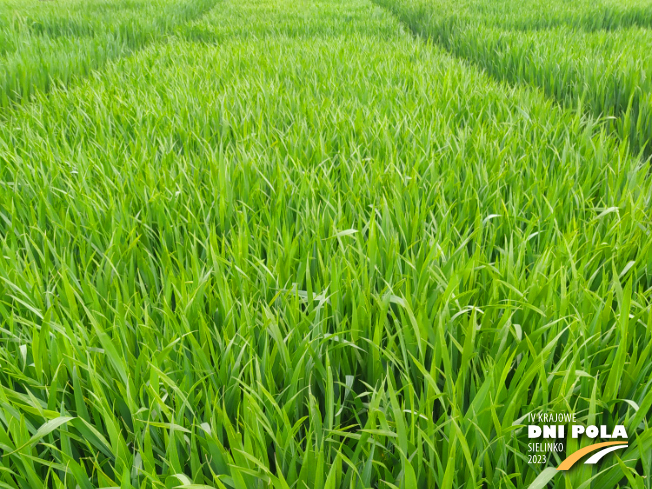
290	245
529	15
45	44
601	69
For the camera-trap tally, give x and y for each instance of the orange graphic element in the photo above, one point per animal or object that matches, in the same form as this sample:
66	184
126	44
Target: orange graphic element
570	461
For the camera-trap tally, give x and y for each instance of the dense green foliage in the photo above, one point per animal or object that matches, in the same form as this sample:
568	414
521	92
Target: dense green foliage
44	43
289	245
588	15
573	51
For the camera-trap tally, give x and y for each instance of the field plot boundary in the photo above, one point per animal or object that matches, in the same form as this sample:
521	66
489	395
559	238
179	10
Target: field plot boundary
25	76
629	117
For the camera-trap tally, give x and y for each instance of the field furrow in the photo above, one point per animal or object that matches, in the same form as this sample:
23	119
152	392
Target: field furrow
604	70
44	45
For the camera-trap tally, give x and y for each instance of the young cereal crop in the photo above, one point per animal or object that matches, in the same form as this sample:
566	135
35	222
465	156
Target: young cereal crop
43	44
595	56
289	245
527	15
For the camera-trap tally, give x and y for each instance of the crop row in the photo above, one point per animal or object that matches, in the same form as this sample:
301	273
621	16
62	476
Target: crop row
606	72
43	45
587	15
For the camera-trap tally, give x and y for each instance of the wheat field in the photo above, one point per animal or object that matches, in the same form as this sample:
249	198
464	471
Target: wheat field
299	244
